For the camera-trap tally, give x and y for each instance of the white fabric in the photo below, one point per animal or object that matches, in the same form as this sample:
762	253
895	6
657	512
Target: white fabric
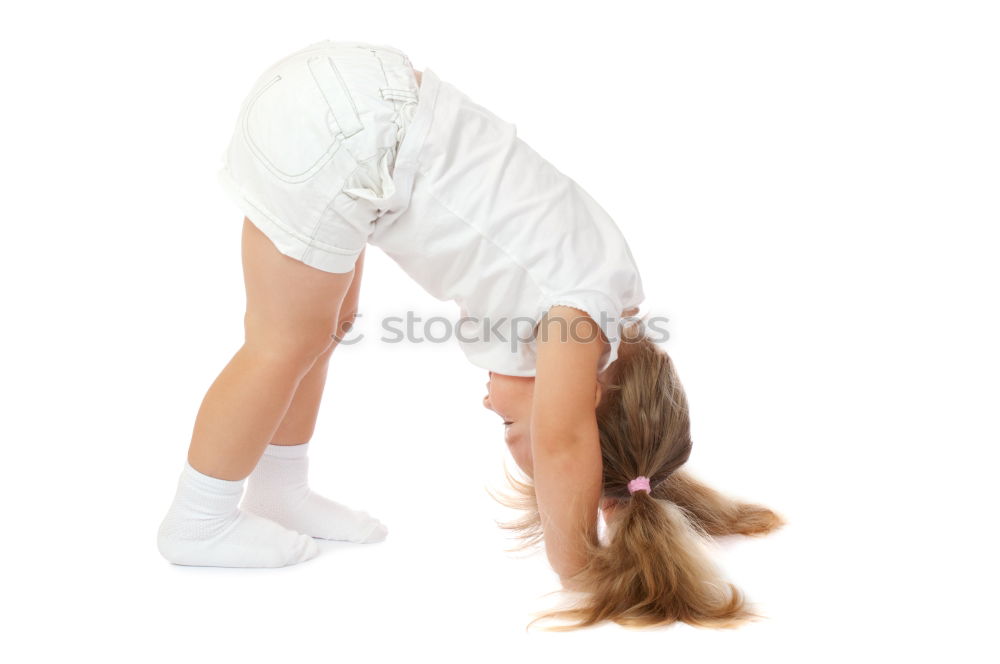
482	219
278	488
309	159
204	527
338	146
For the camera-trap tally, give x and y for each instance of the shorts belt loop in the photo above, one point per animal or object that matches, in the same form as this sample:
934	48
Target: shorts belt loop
336	93
398	95
398	86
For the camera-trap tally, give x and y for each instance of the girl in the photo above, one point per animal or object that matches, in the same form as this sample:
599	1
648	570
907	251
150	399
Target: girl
343	144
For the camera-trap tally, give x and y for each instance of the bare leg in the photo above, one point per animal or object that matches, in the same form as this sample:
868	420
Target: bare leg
299	421
291	315
278	487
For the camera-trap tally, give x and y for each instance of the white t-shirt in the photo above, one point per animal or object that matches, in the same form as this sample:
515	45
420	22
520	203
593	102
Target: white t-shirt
478	217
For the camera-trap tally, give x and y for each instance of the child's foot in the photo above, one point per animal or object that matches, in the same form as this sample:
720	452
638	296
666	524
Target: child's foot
278	489
204	527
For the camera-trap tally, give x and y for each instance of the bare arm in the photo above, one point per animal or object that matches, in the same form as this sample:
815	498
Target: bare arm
564	437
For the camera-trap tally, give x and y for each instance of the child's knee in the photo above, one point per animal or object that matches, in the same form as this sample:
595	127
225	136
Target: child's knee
293	345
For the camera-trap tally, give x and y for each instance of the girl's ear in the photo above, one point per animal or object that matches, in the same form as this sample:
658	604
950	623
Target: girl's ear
599	391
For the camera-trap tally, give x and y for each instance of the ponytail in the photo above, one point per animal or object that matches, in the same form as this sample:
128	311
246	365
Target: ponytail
654	568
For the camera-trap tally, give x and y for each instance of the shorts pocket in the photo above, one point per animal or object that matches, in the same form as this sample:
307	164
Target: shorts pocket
300	117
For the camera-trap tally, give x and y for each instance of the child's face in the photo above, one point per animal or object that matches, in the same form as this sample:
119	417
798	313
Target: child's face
510	398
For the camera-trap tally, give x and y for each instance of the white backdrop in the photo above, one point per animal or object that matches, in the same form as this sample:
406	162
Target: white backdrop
810	192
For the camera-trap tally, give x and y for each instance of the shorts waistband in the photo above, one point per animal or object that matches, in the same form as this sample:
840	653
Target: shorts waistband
381	48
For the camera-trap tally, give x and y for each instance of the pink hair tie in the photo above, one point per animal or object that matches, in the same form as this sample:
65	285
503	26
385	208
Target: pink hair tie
640	483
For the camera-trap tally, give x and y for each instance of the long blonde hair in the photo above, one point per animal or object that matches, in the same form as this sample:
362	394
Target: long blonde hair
653	569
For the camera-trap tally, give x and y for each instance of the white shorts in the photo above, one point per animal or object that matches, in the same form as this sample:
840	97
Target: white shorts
311	159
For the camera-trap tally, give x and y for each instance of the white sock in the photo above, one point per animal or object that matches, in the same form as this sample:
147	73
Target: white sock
205	527
278	489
